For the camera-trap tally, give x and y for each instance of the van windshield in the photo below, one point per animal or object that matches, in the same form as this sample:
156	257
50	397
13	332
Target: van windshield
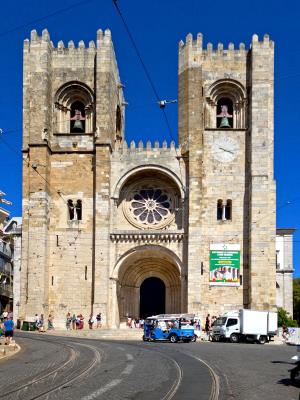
220	321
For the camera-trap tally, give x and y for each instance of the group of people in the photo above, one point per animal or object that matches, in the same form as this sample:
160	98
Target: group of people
39	321
7	326
76	322
135	322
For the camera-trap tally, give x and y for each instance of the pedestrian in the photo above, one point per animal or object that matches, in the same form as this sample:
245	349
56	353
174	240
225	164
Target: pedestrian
91	321
98	319
36	320
68	321
50	322
207	325
8	330
74	325
40	326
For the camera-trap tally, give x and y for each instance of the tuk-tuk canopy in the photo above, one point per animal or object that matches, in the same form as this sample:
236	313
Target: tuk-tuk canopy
173	316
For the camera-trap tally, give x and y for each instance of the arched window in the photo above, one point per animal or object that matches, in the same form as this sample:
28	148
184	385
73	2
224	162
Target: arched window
219	209
118	120
226	105
228	210
70	210
79	210
74	109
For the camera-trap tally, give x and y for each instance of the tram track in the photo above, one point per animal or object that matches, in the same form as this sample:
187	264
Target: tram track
60	381
69	379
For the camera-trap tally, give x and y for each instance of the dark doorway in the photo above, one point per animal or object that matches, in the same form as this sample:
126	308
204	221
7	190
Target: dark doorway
152	297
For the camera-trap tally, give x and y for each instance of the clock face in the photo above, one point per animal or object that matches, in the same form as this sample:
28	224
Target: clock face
225	149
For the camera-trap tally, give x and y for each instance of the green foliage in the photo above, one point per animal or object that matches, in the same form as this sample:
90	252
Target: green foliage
296	299
285	319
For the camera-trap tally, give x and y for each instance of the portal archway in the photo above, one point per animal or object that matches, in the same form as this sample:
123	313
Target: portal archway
136	268
152	297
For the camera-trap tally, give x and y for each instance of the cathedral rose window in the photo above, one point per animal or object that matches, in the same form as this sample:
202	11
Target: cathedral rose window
149	207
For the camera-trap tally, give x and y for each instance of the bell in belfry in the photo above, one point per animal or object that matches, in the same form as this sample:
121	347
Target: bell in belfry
78	125
224	115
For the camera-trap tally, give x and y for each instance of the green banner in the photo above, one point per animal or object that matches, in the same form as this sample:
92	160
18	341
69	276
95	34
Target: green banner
224	267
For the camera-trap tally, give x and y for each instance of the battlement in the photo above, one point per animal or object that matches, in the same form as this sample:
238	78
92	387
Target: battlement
155	147
103	41
192	52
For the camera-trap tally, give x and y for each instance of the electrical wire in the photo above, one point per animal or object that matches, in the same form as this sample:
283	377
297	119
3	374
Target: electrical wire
150	80
3	33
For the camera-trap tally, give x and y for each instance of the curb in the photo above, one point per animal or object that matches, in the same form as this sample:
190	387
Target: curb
6	354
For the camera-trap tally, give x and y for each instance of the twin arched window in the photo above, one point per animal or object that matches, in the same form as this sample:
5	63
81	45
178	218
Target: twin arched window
224	210
74	210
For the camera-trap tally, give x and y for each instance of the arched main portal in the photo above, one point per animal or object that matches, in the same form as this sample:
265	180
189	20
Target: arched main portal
139	277
152	297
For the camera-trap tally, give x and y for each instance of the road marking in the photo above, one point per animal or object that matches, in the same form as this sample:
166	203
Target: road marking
102	390
127	370
120	348
129	357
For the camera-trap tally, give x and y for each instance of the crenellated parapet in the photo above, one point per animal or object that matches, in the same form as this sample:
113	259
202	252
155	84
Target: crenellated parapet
192	53
148	147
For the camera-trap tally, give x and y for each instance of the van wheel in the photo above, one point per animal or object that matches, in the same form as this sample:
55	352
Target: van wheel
173	338
262	340
234	338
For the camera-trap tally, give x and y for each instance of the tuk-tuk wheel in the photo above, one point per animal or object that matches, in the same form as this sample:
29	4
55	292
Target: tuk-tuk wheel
194	338
173	338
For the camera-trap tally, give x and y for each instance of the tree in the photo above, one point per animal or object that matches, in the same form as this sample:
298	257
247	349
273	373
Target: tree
285	319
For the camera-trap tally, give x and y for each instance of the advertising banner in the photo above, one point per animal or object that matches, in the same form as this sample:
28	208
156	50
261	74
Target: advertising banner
224	264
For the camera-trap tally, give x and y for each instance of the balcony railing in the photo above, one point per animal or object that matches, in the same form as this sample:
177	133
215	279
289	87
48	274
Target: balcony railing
5	249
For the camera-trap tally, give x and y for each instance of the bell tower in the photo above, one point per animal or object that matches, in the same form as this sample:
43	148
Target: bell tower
73	119
226	135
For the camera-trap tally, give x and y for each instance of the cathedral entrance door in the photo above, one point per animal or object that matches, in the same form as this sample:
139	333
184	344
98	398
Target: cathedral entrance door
152	297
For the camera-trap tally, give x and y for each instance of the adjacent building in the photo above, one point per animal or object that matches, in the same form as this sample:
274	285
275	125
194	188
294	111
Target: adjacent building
284	269
133	229
6	266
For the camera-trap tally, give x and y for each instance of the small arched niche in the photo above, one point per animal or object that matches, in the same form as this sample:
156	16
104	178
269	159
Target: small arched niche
74	108
226	105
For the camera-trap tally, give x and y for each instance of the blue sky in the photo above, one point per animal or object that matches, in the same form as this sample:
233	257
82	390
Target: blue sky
157	26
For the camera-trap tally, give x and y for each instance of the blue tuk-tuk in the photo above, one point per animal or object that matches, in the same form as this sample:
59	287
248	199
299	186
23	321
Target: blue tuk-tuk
169	327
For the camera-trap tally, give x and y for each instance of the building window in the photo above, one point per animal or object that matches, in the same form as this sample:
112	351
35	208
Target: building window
219	210
118	120
228	210
79	210
226	105
74	108
224	210
74	210
71	209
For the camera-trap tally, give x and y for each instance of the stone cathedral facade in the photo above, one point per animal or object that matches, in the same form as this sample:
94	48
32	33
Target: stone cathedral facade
132	229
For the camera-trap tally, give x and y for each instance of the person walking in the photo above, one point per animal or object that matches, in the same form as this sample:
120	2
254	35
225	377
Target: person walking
91	321
68	321
74	325
207	326
50	322
40	325
98	319
8	330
